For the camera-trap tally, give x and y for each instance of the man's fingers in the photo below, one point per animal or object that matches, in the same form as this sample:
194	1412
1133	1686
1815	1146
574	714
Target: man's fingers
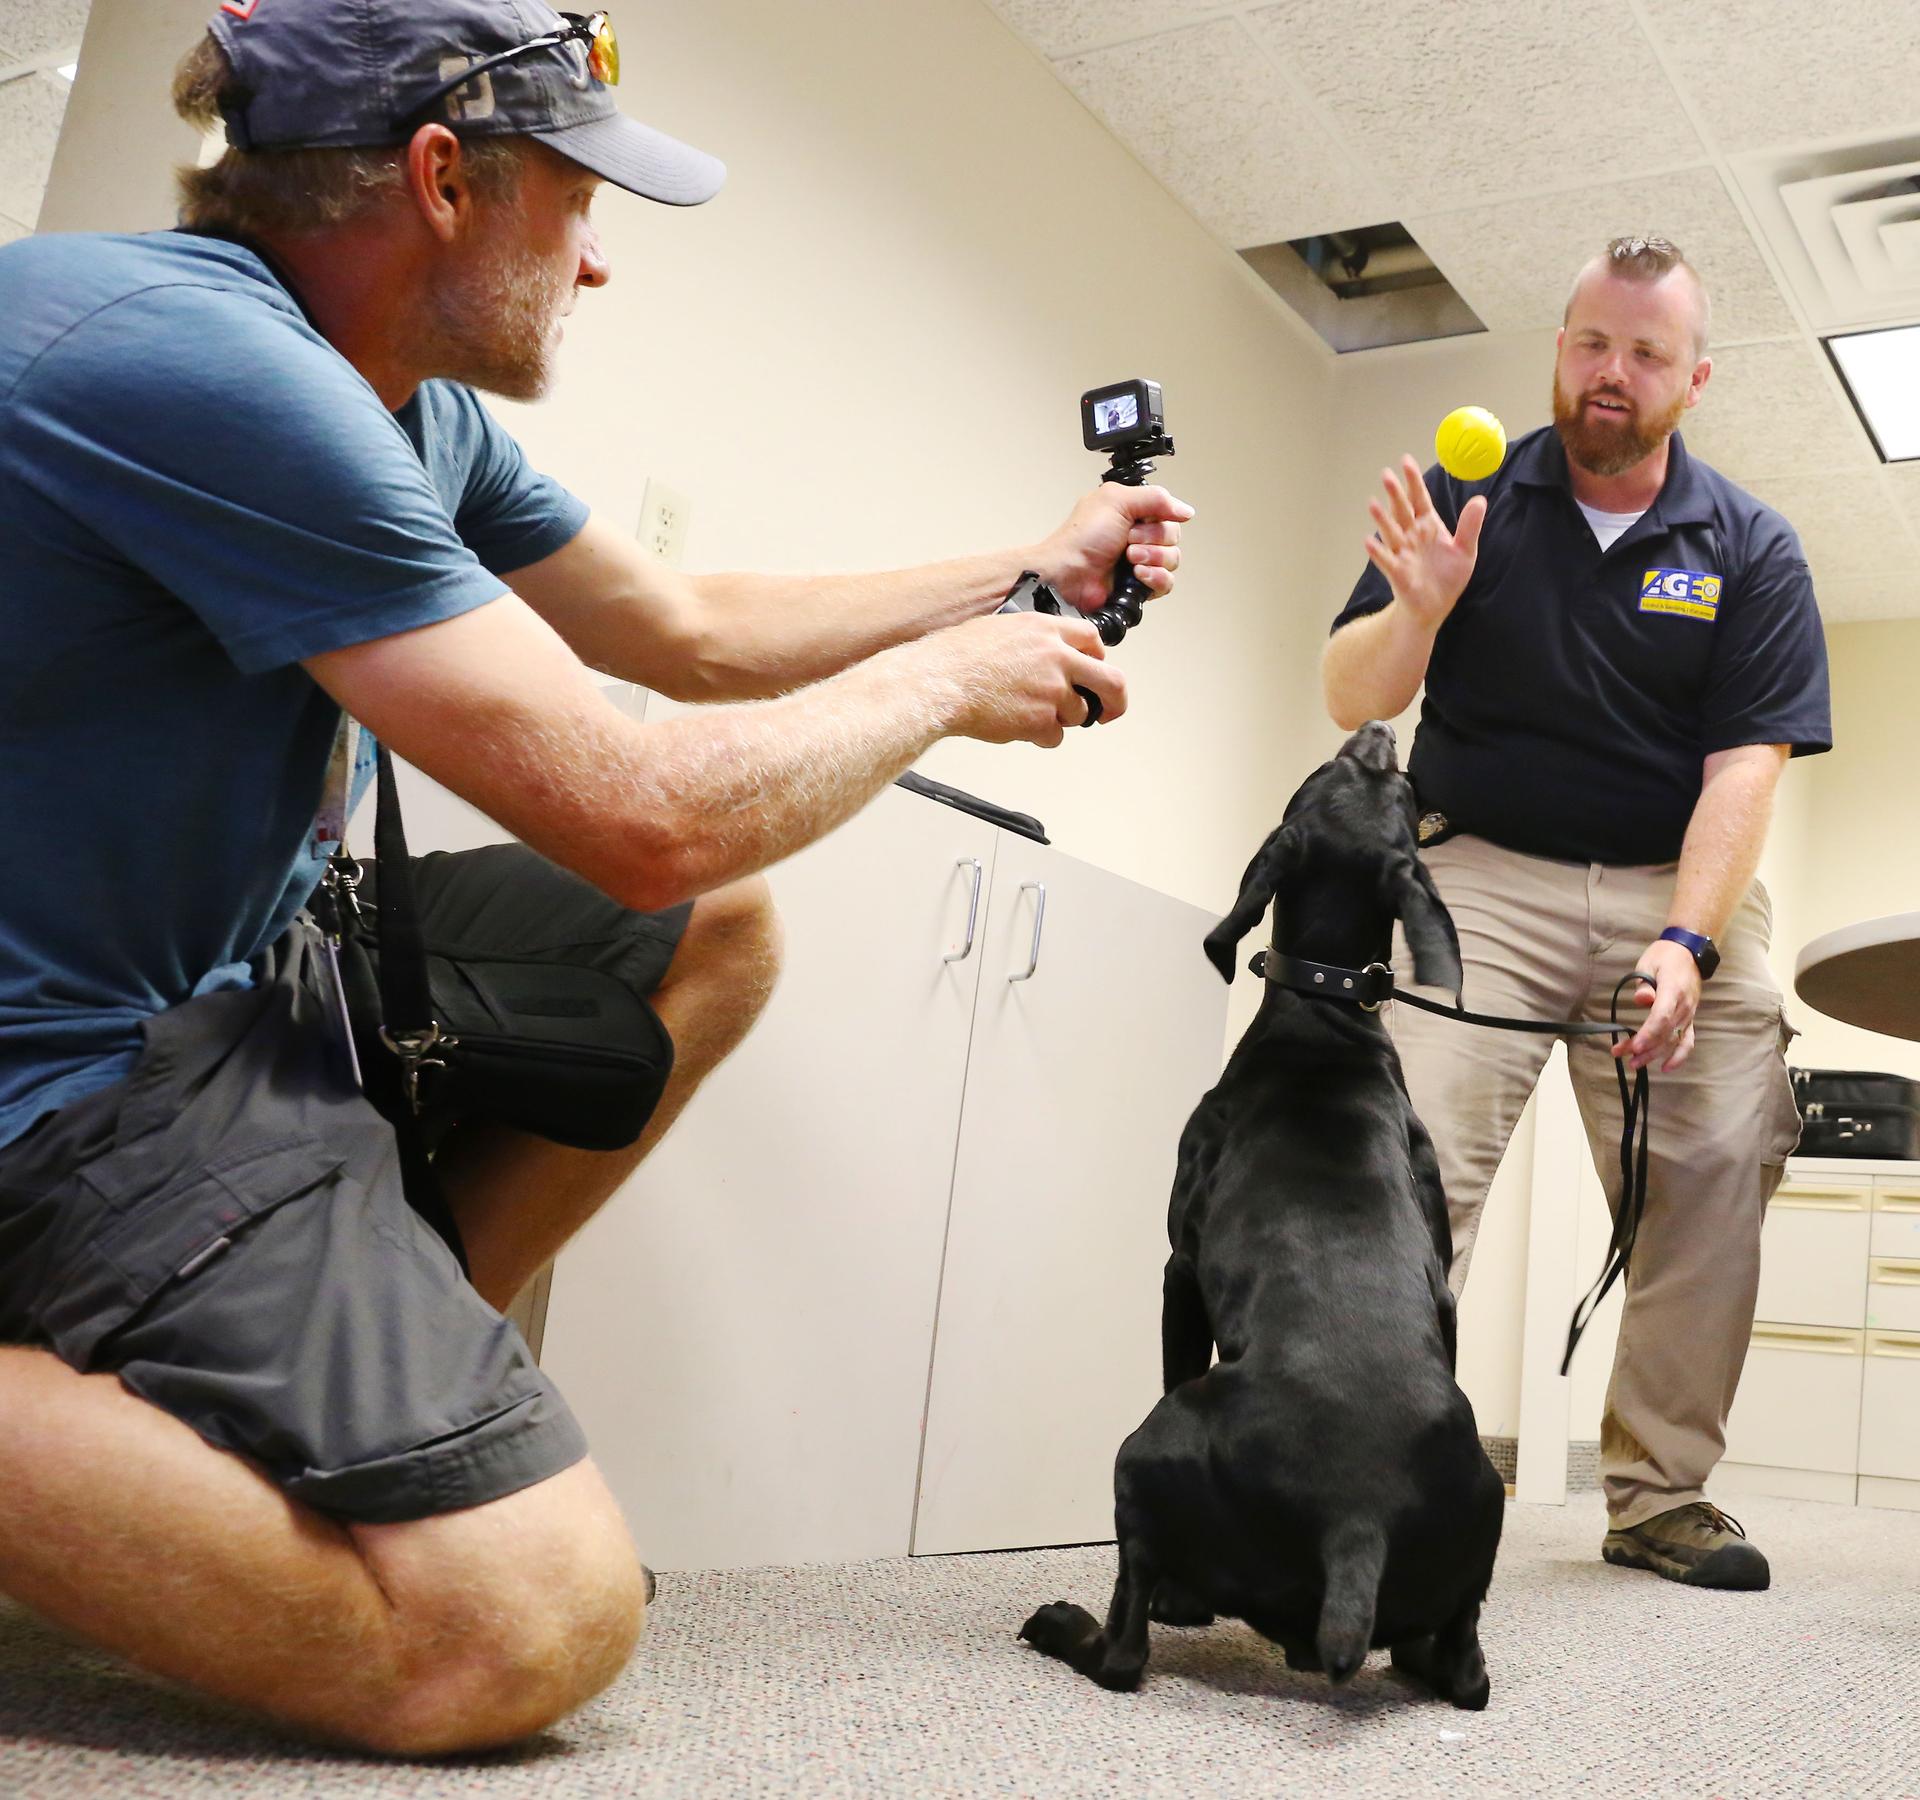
1154	556
1389	528
1097	677
1144	503
1415	486
1154	531
1466	535
1401	507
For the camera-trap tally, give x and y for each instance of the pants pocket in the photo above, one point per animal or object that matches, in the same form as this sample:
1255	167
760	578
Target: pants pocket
1785	1138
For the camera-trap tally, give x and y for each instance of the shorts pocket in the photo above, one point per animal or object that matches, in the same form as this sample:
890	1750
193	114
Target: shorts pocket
169	1229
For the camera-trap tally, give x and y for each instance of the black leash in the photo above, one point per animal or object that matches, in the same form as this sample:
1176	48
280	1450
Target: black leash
1370	988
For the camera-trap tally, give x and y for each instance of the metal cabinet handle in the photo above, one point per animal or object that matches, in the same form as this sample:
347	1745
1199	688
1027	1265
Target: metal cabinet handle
1039	922
973	910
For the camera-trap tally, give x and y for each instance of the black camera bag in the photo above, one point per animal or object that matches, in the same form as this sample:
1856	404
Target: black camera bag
557	1049
1857	1112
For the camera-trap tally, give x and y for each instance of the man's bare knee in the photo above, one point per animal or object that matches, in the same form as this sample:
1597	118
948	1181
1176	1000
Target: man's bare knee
731	949
510	1616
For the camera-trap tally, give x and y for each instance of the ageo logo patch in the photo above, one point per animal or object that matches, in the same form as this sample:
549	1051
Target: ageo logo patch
1685	592
241	9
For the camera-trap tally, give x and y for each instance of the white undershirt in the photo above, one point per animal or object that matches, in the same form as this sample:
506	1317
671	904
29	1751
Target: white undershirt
1607	526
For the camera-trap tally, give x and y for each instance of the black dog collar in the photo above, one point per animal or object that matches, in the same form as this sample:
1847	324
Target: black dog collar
1369	988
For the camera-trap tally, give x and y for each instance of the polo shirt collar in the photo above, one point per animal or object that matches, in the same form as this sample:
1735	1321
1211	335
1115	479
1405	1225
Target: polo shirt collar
1683	497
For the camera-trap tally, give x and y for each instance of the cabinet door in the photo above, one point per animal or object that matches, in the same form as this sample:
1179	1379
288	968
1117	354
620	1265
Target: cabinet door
744	1329
1813	1254
1081	1077
1799	1400
1890	1406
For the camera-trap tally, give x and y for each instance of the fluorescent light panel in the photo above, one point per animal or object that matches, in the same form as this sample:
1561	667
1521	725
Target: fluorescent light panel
1882	372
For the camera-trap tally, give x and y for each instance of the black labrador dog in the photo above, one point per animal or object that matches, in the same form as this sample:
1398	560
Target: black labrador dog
1324	1481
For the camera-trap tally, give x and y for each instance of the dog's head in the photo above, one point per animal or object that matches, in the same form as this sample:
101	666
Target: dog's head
1341	867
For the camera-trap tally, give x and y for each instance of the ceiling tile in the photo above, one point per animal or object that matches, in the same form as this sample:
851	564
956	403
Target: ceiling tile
30	28
30	113
1060	27
1762	72
1771	409
1209	116
1903	483
1848	524
1457	101
1873	597
1514	263
11	229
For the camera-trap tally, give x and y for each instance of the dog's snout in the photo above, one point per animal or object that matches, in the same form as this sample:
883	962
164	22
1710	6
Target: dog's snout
1373	746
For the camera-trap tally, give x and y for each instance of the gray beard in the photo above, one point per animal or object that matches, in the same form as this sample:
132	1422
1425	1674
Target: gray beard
491	326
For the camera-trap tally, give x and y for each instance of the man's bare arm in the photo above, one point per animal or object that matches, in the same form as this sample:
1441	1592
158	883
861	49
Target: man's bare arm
741	636
496	707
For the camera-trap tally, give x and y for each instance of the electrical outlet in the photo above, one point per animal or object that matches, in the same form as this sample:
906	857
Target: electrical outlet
663	522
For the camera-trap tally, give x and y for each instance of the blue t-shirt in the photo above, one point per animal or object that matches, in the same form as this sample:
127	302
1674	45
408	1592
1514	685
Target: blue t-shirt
196	492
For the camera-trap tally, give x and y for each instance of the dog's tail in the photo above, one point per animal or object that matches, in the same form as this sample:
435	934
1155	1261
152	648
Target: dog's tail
1353	1552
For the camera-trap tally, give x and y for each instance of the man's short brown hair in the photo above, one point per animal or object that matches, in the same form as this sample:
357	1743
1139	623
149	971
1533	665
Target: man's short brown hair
1649	259
260	192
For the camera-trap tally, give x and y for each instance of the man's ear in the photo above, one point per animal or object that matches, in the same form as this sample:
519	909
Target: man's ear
1429	926
1272	864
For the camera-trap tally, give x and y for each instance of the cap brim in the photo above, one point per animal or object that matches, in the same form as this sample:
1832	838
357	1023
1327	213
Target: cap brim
639	159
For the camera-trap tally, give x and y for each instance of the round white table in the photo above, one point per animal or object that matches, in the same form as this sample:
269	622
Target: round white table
1866	974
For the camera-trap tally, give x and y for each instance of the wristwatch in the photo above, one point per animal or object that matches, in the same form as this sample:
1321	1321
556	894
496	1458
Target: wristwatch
1703	950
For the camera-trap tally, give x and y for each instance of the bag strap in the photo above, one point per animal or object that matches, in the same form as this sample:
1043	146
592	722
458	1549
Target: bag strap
405	999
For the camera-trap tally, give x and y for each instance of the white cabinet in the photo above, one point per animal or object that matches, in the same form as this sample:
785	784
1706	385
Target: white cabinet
1829	1403
1813	1253
1799	1400
1890	1407
746	1330
1082	1076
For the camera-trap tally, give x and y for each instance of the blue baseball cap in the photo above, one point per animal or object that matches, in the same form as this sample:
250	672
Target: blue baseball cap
335	73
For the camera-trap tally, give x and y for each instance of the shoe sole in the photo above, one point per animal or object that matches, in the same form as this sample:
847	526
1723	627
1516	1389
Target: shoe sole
1725	1568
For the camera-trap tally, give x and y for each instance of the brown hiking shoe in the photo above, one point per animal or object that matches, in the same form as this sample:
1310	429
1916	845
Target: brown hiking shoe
1697	1544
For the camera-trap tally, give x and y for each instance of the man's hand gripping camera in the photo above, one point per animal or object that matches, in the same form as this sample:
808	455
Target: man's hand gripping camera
1127	421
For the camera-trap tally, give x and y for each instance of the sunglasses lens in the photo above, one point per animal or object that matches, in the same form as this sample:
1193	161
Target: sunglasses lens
603	60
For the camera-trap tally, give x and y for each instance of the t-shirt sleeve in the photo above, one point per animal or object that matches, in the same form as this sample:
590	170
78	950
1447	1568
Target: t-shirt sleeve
228	452
1768	682
510	514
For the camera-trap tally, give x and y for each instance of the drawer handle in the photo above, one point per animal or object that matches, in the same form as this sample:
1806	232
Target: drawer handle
1897	1203
973	910
1894	1274
1887	1343
1819	1343
1039	925
1821	1200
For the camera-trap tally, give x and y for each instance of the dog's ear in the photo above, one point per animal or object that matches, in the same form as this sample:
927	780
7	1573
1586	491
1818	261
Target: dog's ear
1430	933
1272	863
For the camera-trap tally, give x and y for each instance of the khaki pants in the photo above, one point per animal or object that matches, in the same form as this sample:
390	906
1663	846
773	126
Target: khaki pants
1548	940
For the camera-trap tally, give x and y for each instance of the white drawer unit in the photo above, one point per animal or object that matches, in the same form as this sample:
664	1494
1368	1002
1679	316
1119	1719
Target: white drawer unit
1896	1219
1813	1254
1893	1294
1799	1400
1890	1406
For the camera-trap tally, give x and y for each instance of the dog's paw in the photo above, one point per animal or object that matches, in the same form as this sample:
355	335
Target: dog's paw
1060	1627
1175	1605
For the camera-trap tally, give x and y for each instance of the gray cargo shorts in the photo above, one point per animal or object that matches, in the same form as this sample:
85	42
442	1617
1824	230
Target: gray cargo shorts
226	1230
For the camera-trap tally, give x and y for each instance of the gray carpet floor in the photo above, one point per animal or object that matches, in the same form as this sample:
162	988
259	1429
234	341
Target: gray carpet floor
904	1679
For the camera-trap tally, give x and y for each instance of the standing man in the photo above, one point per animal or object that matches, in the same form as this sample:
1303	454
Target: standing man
1620	650
257	1430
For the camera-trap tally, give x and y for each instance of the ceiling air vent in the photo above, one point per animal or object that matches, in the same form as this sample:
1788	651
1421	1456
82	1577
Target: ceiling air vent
1844	226
1364	288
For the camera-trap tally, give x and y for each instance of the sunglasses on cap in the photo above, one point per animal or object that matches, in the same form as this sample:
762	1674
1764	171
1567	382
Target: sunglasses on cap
595	30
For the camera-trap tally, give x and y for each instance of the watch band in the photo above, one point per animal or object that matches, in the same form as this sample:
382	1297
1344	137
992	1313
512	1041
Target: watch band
1702	949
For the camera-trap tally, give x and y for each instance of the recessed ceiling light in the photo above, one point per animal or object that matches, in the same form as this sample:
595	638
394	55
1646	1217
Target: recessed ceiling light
1881	370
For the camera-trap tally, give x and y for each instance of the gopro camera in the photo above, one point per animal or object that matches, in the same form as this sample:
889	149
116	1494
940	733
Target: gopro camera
1125	420
1123	416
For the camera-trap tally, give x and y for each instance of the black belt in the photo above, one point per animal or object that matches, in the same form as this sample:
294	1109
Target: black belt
1370	988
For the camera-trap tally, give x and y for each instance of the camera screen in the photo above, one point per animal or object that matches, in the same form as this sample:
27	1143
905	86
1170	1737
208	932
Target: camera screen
1118	414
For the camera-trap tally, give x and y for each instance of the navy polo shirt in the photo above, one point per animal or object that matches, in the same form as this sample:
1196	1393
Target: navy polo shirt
1573	694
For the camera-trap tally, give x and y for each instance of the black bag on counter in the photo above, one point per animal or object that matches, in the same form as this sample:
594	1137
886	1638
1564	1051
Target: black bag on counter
1857	1112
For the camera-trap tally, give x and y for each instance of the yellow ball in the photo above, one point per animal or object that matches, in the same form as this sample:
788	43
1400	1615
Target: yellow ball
1470	443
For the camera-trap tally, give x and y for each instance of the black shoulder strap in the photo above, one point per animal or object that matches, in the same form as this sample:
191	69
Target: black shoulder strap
404	996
